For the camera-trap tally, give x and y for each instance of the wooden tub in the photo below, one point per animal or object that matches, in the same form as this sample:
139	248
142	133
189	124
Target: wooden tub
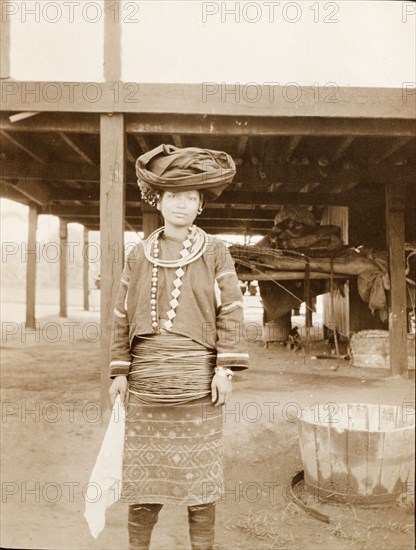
357	453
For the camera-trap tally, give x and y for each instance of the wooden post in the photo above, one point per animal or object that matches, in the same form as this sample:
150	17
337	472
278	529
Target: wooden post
63	266
395	212
338	215
85	271
112	201
150	219
31	260
309	313
5	44
112	40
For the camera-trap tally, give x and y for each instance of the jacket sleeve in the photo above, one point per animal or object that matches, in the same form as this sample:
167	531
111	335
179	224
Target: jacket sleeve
231	345
120	354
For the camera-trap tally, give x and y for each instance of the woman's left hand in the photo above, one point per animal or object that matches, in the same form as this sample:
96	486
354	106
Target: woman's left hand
221	389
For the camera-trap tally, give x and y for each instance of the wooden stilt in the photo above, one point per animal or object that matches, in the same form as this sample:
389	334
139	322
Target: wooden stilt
395	212
340	318
85	270
63	266
112	201
309	312
31	260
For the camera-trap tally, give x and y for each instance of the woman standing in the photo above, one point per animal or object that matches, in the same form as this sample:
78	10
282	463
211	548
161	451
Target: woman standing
175	348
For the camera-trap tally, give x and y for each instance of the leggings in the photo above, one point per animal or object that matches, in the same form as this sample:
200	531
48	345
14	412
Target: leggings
143	517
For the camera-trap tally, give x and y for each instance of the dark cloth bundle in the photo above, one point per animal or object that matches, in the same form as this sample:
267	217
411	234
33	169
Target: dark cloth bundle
170	168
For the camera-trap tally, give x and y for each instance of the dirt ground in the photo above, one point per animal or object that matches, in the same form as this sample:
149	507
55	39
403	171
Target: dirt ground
52	428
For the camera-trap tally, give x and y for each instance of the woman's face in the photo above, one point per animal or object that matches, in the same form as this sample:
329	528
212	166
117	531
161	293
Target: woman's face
181	208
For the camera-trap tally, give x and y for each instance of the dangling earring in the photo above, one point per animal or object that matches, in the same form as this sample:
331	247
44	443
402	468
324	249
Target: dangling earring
201	203
158	207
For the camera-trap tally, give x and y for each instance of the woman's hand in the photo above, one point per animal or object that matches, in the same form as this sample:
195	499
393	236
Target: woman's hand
221	389
119	386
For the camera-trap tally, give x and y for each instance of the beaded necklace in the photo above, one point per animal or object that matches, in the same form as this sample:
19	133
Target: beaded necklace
193	247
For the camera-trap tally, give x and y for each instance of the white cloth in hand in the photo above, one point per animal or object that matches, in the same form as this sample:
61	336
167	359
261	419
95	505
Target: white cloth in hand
105	482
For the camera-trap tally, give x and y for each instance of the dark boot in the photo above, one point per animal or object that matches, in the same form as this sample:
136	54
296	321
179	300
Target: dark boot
201	526
141	520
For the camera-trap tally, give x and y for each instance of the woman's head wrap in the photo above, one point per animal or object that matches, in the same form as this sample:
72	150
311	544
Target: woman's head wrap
169	168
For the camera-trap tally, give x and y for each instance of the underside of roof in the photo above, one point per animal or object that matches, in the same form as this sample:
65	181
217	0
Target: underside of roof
53	159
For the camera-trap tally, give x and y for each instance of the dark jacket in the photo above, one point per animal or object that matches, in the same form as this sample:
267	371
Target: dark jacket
199	315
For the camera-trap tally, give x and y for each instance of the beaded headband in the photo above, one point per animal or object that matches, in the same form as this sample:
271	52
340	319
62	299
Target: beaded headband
148	194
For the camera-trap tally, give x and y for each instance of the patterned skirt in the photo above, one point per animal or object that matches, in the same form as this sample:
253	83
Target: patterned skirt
172	452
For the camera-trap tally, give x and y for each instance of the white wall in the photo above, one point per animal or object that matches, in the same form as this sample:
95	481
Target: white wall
56	40
351	43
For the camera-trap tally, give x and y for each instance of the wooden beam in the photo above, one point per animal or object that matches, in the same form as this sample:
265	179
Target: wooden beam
59	171
396	144
129	226
33	190
63	266
395	208
344	187
85	270
9	191
241	149
253	200
221	210
204	99
309	187
22	116
267	126
130	157
31	262
112	41
306	199
342	147
83	123
331	186
286	173
177	140
270	275
141	140
80	152
4	43
112	197
291	146
17	143
292	186
217	125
